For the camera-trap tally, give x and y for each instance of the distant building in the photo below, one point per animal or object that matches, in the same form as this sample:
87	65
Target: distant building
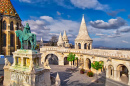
9	22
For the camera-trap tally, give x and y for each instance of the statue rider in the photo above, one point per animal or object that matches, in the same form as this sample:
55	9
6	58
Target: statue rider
26	29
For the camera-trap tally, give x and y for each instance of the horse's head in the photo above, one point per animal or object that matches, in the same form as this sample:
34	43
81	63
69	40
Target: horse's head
18	33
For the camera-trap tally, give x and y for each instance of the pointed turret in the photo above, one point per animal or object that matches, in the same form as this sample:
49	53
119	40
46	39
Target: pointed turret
65	38
41	39
83	33
60	41
57	83
83	37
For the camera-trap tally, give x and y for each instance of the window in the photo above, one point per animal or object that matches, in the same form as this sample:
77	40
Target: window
4	41
4	25
79	45
17	26
11	26
11	40
85	46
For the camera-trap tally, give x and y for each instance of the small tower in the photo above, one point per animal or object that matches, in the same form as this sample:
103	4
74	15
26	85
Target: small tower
65	38
83	41
60	42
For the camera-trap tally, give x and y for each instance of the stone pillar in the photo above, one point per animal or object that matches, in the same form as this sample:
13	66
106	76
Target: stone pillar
129	79
107	72
22	61
15	40
7	76
115	74
82	45
14	63
90	46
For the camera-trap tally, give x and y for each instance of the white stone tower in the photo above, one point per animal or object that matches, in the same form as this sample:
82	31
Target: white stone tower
65	38
83	41
60	42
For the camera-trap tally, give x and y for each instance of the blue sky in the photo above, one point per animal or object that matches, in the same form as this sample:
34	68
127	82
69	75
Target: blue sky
108	21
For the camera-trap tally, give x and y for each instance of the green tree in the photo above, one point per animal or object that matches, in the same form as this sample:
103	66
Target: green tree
71	57
97	65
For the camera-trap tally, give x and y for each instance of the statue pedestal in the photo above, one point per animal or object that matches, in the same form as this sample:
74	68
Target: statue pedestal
27	69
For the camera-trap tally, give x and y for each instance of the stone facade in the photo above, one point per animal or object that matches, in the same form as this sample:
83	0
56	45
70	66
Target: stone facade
116	62
9	22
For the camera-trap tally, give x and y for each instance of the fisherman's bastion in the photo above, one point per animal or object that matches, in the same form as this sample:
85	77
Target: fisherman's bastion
31	67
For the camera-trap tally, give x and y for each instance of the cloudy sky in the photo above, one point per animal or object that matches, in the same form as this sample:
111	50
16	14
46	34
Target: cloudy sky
108	21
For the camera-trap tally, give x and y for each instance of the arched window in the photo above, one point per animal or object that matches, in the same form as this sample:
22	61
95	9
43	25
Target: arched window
17	26
4	40
12	40
85	46
79	45
4	25
11	26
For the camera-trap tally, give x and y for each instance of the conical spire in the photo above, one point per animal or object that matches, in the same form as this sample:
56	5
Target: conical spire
41	39
57	77
83	33
65	36
60	40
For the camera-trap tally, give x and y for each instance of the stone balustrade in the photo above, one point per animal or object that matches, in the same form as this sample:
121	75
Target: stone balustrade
121	54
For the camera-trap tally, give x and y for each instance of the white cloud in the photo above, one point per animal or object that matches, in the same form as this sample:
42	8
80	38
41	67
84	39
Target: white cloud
124	41
58	13
90	4
47	18
46	26
27	1
111	24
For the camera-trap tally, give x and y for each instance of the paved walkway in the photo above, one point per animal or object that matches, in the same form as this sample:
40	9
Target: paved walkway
69	78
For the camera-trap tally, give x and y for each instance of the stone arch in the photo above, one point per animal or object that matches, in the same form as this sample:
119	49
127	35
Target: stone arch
87	64
122	73
79	45
65	61
4	25
11	25
110	71
89	46
52	58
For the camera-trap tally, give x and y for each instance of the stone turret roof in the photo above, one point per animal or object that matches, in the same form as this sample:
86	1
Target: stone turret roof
60	40
6	8
65	36
83	33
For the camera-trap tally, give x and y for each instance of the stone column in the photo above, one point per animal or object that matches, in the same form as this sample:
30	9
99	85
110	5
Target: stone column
82	45
14	63
22	62
115	74
90	46
15	40
129	79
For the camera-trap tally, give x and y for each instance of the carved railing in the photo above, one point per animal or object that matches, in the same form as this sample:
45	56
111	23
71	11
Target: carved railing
121	54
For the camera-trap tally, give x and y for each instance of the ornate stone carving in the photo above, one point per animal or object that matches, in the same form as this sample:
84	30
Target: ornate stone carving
7	63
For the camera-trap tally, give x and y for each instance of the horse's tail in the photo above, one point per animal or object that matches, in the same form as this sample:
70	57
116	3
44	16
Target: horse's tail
34	41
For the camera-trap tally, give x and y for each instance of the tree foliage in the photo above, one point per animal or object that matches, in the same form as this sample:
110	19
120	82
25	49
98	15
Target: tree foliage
53	40
71	57
97	65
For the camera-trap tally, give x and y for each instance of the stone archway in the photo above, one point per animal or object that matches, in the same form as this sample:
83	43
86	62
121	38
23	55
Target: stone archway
53	59
65	61
122	73
110	71
88	64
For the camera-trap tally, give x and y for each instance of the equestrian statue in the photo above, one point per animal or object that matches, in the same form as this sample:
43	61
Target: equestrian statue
26	36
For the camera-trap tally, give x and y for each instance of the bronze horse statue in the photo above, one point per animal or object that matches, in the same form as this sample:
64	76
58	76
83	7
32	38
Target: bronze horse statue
29	37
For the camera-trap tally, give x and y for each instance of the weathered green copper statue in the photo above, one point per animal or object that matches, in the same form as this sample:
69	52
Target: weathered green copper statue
26	36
